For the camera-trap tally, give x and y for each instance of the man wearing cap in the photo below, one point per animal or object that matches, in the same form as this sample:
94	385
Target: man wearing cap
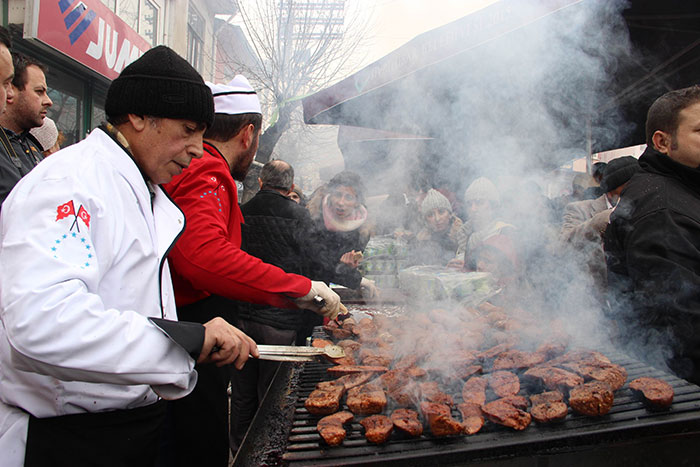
90	343
652	244
588	219
210	269
584	222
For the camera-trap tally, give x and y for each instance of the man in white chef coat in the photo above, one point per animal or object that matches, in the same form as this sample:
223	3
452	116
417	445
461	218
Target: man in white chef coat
89	338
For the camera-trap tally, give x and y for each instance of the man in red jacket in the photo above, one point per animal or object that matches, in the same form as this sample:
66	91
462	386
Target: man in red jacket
210	270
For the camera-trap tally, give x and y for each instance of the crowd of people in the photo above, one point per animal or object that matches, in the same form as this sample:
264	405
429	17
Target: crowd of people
134	291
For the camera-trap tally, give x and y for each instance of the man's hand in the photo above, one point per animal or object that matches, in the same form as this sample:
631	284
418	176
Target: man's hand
332	306
229	344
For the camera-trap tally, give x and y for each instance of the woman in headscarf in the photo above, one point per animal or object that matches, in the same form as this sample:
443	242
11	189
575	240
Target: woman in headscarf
341	229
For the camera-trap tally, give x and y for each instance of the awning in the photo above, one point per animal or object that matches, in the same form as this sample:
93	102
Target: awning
428	57
437	84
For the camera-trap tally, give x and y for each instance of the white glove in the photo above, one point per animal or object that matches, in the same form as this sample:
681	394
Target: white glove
318	288
368	288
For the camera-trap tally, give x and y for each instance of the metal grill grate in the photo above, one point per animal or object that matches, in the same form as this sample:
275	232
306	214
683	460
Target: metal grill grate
627	419
283	433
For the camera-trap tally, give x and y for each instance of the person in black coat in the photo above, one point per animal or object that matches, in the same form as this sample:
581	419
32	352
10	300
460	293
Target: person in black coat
653	241
276	231
341	230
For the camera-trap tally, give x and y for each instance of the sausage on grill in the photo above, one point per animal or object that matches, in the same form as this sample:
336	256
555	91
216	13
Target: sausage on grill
547	412
324	401
614	375
594	398
504	383
472	417
656	393
331	427
366	399
407	421
430	392
505	414
549	396
551	378
440	419
519	402
378	428
474	390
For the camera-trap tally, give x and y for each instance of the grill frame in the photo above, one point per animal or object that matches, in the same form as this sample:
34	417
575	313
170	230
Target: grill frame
284	433
630	433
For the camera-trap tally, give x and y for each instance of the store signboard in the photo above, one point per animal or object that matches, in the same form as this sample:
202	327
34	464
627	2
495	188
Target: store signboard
86	31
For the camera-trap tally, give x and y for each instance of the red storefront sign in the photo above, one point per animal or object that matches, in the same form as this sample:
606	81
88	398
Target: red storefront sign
86	31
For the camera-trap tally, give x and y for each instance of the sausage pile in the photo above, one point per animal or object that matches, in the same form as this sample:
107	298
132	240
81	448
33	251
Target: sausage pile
408	373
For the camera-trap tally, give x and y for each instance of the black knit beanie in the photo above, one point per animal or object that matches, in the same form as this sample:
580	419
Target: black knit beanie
161	84
618	171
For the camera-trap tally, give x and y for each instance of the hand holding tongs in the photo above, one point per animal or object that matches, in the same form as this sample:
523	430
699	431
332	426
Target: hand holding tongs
342	315
287	353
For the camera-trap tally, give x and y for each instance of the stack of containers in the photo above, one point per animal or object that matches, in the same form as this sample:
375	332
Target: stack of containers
384	256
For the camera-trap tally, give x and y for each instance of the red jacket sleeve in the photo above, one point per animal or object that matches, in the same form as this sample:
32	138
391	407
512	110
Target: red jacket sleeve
207	257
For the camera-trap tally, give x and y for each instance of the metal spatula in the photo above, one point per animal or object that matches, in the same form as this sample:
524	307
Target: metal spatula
287	353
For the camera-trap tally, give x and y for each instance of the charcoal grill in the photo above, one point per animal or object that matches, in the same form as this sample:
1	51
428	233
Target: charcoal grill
283	433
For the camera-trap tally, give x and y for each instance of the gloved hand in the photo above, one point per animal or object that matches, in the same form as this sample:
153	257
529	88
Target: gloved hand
332	306
368	288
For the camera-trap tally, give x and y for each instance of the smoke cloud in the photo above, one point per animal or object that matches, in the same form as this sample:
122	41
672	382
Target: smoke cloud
513	109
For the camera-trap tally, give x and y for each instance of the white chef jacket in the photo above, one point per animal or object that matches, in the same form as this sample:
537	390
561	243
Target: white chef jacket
77	287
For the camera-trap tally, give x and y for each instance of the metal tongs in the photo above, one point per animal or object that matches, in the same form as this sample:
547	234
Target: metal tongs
290	353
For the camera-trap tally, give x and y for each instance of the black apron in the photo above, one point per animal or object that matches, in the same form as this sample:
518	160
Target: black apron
196	427
115	438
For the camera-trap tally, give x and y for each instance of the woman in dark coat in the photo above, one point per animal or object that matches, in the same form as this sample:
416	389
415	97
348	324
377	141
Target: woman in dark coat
341	229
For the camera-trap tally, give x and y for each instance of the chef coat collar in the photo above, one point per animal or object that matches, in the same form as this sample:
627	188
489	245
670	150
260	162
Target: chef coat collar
123	143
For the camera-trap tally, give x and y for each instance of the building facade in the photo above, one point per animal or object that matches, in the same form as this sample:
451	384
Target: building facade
85	44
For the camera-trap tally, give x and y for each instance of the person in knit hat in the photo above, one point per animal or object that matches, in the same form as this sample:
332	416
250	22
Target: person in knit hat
437	242
210	269
617	173
482	200
91	343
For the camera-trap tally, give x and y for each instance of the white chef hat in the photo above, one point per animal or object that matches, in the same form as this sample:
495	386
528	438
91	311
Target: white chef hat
236	97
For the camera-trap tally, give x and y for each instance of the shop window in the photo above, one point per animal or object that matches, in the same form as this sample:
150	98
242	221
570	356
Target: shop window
149	22
195	34
67	94
98	115
111	4
128	11
142	16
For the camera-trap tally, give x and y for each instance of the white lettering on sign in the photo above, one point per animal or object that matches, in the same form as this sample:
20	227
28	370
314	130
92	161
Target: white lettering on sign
107	47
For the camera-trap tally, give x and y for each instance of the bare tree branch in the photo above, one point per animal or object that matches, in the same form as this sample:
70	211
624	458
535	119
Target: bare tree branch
302	47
